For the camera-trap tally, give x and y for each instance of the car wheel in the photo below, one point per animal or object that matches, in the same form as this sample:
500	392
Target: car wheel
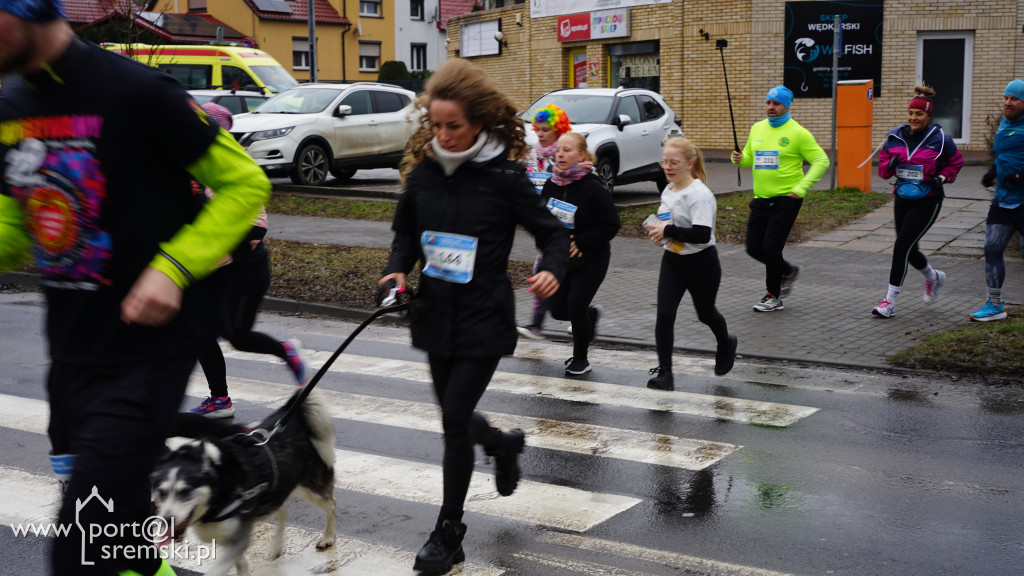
605	169
343	174
311	166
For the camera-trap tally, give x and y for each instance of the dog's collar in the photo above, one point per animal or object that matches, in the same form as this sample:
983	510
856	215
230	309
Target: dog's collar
243	500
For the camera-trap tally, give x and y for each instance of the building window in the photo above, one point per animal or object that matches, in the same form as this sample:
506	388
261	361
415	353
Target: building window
369	8
369	56
418	59
197	5
416	9
300	53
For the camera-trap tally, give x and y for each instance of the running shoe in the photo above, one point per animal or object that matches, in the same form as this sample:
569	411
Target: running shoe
215	407
931	289
296	360
662	379
726	357
769	304
788	281
574	367
530	332
885	308
595	313
989	312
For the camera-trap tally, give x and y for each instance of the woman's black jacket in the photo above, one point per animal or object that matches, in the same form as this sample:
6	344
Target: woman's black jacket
486	201
597	219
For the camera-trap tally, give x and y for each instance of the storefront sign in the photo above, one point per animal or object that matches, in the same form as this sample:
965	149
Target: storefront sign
609	24
640	66
547	8
809	40
594	25
574	27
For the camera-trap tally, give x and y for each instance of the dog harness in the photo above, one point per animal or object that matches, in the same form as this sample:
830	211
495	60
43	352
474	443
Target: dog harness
262	476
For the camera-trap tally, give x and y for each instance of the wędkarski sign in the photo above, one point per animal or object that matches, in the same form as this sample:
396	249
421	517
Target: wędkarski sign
809	42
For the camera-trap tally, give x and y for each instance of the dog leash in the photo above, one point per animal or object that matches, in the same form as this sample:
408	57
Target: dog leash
389	304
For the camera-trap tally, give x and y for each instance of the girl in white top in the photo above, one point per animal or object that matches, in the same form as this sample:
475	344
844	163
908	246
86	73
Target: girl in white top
685	228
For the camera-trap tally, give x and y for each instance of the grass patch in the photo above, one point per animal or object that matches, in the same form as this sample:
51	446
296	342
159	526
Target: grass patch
822	211
978	348
343	276
373	210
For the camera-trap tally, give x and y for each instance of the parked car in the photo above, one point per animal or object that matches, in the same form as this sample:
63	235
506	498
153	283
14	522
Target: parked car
624	128
236	101
312	129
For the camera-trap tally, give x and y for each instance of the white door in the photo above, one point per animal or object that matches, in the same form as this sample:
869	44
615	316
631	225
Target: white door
945	61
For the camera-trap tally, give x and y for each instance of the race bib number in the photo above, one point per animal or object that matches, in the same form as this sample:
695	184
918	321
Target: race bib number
564	211
766	160
448	257
538	179
910	173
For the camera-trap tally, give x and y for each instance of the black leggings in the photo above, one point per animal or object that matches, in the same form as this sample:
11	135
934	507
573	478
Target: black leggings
459	383
771	220
913	219
114	418
245	284
572	301
700	273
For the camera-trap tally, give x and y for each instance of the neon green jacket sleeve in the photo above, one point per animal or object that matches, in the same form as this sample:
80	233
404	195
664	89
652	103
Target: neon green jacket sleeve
241	189
14	238
816	157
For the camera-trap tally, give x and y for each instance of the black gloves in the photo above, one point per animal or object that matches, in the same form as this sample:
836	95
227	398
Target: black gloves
989	179
892	163
939	181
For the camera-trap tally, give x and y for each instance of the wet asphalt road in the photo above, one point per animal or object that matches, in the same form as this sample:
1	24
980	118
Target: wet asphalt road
818	471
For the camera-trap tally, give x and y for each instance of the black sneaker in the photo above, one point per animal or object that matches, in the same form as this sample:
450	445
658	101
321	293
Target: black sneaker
442	550
788	281
662	380
595	313
574	367
506	460
726	357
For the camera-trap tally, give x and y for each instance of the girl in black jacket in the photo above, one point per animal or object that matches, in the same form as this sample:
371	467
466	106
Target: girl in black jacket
582	202
463	198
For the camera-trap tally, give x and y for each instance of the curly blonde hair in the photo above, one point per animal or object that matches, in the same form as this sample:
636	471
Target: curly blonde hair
463	82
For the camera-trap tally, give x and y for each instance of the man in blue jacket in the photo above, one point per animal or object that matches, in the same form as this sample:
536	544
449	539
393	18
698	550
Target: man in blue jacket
1006	214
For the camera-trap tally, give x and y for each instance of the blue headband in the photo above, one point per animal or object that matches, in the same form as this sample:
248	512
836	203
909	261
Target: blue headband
1015	89
33	10
780	94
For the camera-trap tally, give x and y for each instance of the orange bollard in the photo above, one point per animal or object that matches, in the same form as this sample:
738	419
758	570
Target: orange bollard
854	119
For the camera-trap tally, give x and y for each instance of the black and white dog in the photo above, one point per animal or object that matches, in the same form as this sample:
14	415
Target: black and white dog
221	486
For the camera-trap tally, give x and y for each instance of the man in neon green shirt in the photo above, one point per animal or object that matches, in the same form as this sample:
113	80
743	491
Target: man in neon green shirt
777	148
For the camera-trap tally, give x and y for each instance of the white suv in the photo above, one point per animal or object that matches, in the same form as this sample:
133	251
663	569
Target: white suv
624	128
312	129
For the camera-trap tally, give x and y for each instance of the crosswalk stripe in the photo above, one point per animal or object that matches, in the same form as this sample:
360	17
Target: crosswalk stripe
32	498
717	407
24	414
557	506
677	562
607	442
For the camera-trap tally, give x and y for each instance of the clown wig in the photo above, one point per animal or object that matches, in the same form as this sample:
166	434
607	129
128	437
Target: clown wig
553	116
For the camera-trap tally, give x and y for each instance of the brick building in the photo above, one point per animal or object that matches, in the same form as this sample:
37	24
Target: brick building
968	50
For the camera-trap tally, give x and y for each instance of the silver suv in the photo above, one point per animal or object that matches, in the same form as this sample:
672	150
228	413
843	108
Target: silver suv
624	128
311	130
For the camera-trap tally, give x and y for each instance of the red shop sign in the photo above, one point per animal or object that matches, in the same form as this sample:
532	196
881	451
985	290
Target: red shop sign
574	27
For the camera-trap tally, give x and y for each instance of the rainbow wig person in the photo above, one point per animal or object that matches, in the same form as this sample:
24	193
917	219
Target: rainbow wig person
554	117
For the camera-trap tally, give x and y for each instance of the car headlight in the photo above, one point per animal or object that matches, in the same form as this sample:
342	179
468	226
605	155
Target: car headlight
268	134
